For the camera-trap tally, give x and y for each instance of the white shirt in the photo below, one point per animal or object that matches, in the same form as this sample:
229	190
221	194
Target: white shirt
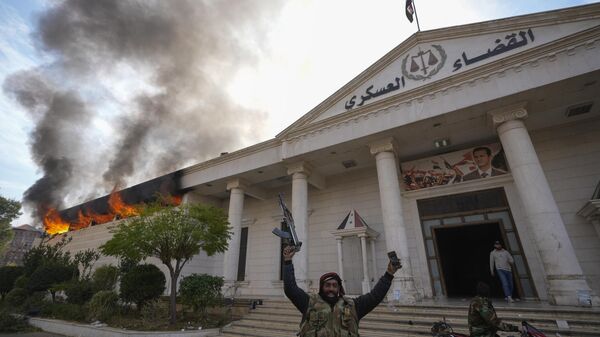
488	172
502	259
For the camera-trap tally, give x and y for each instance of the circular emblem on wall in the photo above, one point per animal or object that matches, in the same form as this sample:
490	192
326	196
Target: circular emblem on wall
424	64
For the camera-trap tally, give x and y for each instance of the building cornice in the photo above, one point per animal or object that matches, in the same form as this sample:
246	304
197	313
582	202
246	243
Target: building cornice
530	58
573	14
266	145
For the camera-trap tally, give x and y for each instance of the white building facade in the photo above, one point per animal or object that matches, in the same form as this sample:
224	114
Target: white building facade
397	144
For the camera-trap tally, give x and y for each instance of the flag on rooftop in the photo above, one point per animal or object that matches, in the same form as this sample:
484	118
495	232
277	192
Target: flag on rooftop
410	10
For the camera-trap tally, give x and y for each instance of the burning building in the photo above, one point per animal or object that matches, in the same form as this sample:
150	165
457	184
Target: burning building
119	204
455	139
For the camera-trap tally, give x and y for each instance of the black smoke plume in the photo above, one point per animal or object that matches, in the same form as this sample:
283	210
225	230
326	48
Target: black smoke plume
180	56
54	141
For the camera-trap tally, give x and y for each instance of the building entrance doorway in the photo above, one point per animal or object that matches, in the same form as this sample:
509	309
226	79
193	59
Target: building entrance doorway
459	232
464	253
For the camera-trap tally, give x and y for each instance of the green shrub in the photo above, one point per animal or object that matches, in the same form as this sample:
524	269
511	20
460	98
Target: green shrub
65	311
141	284
201	291
105	278
78	291
48	275
154	311
126	264
35	303
16	297
21	282
8	276
10	323
103	305
47	253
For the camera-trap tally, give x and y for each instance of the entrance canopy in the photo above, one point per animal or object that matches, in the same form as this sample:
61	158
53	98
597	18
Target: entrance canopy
354	225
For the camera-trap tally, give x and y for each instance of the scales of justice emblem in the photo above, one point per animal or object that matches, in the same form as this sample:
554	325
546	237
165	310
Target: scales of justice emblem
424	64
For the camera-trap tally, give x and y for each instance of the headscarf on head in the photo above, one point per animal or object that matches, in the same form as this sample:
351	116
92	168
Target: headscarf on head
331	276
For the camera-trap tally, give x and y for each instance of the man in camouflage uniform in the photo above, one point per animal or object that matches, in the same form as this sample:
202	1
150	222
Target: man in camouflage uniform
330	313
483	321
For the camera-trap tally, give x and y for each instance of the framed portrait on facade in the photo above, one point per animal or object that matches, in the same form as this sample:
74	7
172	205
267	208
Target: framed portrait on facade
479	162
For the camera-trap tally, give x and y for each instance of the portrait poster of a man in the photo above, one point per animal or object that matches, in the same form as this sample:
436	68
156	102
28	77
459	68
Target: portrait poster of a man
479	162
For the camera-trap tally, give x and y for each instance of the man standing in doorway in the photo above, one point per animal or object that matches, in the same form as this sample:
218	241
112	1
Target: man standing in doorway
502	260
483	158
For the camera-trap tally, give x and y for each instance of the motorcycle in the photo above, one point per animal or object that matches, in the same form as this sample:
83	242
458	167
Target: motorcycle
443	329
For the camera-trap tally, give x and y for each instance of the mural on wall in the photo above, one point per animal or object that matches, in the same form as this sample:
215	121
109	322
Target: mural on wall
479	162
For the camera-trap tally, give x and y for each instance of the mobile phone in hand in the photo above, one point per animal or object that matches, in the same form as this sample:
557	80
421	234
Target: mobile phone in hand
394	259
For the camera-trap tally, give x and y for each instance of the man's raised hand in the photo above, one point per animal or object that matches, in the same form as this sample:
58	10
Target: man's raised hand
288	253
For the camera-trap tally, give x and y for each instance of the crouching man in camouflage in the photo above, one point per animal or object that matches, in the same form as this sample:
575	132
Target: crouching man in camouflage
483	321
330	313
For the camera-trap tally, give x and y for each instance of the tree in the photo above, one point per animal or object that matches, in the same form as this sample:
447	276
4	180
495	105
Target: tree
49	275
46	253
9	210
173	235
48	266
86	259
8	276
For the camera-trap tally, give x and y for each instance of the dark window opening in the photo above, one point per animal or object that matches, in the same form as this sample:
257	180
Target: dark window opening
241	274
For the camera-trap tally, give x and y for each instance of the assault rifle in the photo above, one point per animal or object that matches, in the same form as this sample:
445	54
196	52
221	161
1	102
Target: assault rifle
290	236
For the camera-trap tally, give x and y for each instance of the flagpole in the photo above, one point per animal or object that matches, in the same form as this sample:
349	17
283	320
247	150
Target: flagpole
416	16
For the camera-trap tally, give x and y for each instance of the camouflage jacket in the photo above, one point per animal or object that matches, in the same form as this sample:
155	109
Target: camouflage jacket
483	321
322	320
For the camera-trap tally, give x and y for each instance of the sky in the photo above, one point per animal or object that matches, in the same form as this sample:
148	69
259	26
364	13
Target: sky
306	51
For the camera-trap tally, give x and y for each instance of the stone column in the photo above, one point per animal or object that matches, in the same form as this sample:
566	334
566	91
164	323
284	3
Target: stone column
563	272
340	253
393	221
232	255
366	284
300	172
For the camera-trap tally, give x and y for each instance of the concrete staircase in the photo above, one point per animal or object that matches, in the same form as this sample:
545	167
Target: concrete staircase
279	318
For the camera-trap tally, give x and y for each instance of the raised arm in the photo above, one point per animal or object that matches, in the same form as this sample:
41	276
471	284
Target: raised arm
367	302
297	296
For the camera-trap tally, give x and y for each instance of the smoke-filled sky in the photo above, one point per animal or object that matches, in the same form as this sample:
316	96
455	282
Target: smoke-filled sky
98	94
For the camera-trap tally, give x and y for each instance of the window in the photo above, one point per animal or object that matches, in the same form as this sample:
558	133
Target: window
243	249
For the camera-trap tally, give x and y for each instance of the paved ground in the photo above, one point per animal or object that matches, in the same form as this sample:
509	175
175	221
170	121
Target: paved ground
30	334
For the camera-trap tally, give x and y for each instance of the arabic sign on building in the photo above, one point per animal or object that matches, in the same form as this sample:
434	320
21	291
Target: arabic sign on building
456	167
437	60
425	62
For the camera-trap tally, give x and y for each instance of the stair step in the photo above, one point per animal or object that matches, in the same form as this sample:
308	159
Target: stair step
440	314
397	327
278	317
417	320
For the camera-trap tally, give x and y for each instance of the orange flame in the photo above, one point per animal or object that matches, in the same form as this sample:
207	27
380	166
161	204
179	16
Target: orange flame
83	220
53	223
116	204
174	200
99	218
